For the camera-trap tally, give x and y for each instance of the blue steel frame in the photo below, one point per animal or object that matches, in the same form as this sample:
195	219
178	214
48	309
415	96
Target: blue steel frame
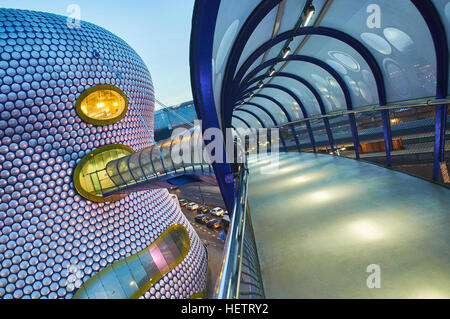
288	116
319	99
275	123
258	119
201	46
241	40
324	31
249	126
242	120
339	35
437	30
205	13
254	115
303	109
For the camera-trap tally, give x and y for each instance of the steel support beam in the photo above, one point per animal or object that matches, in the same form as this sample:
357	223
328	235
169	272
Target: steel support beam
302	108
286	113
201	55
275	122
438	33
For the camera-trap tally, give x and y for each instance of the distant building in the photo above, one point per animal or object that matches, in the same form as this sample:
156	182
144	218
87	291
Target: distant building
170	118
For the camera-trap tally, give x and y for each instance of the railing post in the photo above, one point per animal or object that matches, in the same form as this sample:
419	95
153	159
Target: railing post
354	130
295	138
329	134
439	140
387	135
311	136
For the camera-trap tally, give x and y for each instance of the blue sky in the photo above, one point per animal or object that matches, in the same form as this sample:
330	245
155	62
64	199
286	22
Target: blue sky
159	31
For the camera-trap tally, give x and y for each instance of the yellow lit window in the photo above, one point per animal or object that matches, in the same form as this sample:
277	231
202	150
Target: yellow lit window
102	105
90	177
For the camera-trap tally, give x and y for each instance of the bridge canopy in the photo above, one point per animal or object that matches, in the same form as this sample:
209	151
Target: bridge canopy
319	57
331	74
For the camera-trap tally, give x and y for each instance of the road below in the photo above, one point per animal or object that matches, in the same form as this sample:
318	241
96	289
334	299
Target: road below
210	237
203	194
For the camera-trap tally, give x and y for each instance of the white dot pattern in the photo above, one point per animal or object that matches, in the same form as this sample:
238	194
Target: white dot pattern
45	226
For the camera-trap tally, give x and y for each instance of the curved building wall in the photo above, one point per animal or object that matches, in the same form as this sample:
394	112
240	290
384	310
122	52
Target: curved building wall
49	234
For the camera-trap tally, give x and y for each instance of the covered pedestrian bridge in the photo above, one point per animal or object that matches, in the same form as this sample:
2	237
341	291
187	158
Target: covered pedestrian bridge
359	93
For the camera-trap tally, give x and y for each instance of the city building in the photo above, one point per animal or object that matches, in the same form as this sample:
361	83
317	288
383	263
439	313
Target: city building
72	98
167	119
339	108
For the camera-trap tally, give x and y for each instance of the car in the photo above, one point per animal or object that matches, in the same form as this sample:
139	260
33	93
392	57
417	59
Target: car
203	209
202	219
214	224
225	223
192	206
217	211
183	202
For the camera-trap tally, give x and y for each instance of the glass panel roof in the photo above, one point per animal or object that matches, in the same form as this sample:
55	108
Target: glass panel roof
401	44
260	114
324	83
275	52
399	40
349	64
443	7
272	108
286	100
303	93
261	35
237	123
250	119
232	15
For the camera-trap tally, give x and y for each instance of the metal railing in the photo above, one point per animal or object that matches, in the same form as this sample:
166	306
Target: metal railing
240	275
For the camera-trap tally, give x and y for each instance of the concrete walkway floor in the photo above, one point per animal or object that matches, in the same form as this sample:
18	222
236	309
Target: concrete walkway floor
320	221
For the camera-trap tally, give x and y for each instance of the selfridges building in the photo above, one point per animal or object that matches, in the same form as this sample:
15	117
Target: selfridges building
71	97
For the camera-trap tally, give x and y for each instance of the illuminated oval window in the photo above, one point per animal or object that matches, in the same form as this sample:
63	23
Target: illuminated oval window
102	105
91	179
131	277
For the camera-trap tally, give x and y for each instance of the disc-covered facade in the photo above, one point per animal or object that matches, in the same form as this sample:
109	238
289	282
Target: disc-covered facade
52	239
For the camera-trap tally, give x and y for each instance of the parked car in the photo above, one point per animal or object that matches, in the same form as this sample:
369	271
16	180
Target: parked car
217	211
192	206
183	202
214	224
225	223
202	219
203	209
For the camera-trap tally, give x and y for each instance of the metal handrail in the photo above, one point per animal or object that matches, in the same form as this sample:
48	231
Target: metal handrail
374	108
228	285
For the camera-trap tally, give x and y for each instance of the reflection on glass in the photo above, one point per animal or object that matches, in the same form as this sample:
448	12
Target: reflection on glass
376	42
91	179
337	66
130	278
397	77
447	11
225	44
344	58
400	40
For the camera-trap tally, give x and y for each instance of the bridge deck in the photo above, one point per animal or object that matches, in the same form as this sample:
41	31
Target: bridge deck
321	220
